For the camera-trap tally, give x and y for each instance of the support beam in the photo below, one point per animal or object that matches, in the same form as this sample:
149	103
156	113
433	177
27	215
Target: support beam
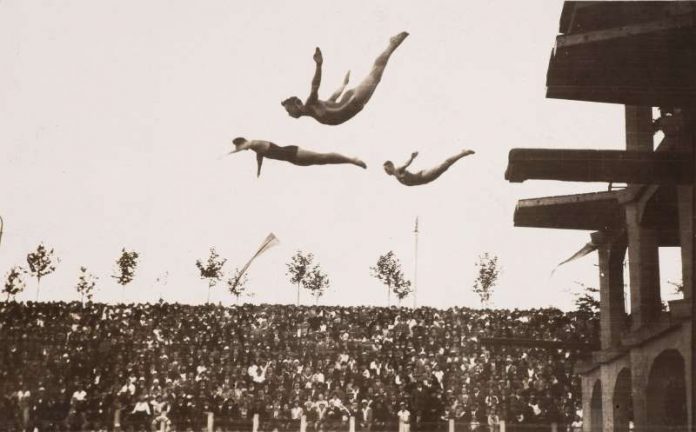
611	251
599	166
689	139
644	268
686	237
643	241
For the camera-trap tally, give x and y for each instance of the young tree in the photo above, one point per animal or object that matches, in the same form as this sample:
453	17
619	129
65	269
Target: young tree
125	269
486	278
316	282
236	284
14	284
85	285
298	269
211	270
587	302
402	288
388	271
41	263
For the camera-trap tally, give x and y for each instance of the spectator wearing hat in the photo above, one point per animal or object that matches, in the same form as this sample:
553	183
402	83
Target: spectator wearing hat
365	416
404	416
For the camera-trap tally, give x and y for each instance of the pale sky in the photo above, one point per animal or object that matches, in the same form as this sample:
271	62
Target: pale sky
114	115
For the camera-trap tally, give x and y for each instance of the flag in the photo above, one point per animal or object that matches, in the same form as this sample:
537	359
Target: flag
597	240
270	241
585	250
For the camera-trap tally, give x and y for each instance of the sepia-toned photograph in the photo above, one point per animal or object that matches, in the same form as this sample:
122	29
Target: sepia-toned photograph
369	216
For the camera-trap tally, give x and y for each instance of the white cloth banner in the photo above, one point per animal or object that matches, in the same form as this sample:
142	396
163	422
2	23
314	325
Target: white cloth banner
270	241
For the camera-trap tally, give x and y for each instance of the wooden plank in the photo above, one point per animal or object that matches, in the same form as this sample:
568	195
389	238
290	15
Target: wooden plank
670	23
650	69
596	211
666	167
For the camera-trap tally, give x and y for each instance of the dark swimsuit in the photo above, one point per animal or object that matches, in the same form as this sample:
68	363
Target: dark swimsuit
284	153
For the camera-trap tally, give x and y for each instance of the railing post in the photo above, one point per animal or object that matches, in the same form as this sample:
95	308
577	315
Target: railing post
255	423
163	426
351	424
303	423
554	427
211	421
450	424
501	425
117	419
25	410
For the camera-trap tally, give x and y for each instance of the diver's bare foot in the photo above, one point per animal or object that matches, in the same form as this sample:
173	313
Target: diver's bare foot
318	58
396	40
360	163
467	152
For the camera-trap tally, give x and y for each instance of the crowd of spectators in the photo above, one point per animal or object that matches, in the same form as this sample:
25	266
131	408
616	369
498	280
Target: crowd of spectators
68	366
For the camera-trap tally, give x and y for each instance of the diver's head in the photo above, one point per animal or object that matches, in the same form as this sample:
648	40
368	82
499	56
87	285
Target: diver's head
293	106
389	167
240	144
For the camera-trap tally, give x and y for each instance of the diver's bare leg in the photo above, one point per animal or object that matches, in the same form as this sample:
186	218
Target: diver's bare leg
429	175
307	157
394	43
340	90
370	82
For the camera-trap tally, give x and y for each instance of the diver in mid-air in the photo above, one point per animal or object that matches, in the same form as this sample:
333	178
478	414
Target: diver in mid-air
335	111
422	177
292	154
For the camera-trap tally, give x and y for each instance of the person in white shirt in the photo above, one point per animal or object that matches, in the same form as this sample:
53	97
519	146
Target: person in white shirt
365	416
160	409
258	373
23	399
318	377
140	414
296	411
79	396
128	387
404	416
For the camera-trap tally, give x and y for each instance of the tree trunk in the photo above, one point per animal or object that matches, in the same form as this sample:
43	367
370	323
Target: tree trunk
298	293
388	295
38	288
208	299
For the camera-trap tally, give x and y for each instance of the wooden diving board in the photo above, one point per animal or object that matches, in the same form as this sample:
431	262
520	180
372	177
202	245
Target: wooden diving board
638	167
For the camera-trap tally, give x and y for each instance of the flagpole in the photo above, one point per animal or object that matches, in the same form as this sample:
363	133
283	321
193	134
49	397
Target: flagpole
415	271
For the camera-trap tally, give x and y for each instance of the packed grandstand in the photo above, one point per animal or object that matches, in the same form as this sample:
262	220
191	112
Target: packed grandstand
68	366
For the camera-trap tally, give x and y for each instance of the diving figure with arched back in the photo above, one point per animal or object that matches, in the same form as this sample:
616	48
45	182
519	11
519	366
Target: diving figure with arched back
422	177
335	111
